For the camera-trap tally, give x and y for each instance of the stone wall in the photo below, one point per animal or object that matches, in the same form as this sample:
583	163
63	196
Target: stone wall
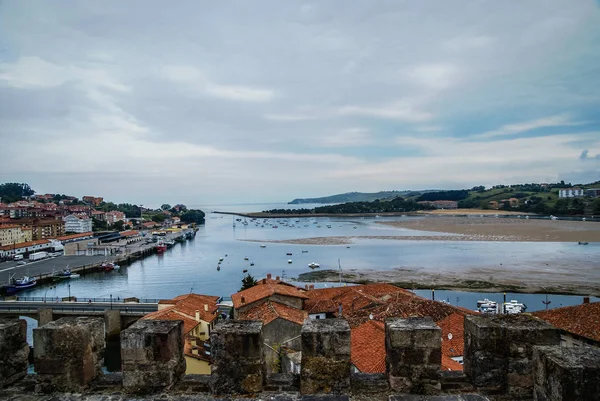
506	358
13	351
499	351
68	353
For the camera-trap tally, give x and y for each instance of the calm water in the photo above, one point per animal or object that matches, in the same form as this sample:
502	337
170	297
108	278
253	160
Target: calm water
192	266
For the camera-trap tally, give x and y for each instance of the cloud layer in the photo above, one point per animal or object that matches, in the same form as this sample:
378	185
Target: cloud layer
267	101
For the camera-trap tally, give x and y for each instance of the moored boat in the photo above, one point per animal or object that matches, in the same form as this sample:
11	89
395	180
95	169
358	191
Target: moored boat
314	265
160	247
24	282
62	275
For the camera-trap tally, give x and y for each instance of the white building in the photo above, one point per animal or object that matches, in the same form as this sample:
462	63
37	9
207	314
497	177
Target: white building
570	193
77	224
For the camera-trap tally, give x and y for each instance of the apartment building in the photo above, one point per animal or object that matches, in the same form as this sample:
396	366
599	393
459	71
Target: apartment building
11	234
77	224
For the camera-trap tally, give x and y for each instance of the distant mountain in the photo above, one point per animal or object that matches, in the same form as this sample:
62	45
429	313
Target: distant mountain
354	197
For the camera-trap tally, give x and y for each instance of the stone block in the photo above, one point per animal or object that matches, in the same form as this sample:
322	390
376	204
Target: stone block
152	356
413	355
238	362
14	350
68	353
562	373
325	357
44	316
498	352
369	383
112	323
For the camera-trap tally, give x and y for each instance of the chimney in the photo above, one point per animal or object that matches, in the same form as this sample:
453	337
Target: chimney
269	276
197	315
205	307
264	281
243	300
306	287
586	300
311	287
277	278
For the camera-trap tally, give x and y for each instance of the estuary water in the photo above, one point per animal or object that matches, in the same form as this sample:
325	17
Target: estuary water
192	266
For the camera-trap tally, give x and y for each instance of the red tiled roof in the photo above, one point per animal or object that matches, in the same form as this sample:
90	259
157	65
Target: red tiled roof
367	350
74	236
261	291
9	226
129	233
352	297
188	304
271	310
453	347
450	364
24	244
172	314
582	320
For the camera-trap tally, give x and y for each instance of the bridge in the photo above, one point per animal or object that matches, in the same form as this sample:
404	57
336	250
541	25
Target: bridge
46	310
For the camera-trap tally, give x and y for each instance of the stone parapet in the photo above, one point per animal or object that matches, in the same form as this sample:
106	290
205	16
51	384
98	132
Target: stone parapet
413	355
68	353
562	374
152	355
14	351
499	350
325	357
238	360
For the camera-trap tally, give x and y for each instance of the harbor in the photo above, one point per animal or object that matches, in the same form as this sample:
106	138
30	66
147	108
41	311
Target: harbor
47	270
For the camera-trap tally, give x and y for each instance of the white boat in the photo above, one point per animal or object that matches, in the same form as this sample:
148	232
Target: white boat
263	246
314	265
75	275
514	307
245	257
290	261
583	242
487	307
220	259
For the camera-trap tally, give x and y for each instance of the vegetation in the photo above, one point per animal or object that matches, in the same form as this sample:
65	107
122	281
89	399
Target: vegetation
351	197
12	191
165	206
444	195
248	282
377	206
192	216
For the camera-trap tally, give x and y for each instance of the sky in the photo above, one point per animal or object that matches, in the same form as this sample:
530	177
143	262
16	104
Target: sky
204	102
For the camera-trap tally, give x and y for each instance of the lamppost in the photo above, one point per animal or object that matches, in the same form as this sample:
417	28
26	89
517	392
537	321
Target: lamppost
45	292
69	285
110	301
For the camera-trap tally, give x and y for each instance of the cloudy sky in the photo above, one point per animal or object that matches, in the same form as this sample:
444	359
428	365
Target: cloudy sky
208	102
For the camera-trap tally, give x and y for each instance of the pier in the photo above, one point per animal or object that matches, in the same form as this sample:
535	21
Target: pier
43	269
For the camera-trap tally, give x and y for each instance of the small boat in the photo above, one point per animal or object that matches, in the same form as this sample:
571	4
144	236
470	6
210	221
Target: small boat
160	247
25	282
289	254
487	307
75	275
218	267
108	266
314	265
583	242
245	271
251	263
169	243
245	257
263	246
220	259
304	251
290	261
116	266
61	275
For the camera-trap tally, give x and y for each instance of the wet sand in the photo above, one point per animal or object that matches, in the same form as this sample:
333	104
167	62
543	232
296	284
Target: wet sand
492	229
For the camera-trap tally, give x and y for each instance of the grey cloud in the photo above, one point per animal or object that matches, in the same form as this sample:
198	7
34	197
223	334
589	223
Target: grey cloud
585	155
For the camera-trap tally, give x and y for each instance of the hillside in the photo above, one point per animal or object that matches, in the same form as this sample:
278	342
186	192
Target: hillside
354	197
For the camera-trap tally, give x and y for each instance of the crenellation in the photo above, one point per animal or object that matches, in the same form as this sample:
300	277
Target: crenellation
14	351
68	353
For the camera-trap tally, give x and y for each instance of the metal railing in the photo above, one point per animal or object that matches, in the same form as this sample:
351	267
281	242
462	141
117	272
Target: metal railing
75	309
114	300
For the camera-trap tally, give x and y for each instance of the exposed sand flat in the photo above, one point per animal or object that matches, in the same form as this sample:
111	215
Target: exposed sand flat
475	212
491	229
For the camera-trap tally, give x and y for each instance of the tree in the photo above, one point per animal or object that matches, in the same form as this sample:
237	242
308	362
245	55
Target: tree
248	282
159	218
596	207
165	206
119	225
99	224
12	191
193	216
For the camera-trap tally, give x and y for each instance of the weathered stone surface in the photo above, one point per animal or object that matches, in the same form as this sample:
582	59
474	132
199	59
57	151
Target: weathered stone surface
413	355
14	351
369	383
44	316
457	397
498	352
68	353
152	355
282	382
112	323
562	373
238	363
325	357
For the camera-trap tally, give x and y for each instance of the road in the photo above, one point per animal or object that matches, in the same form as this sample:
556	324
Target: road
82	307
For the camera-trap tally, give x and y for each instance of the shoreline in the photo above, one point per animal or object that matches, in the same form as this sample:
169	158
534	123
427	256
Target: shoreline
413	280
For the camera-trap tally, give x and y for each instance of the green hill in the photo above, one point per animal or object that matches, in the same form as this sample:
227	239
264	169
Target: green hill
355	197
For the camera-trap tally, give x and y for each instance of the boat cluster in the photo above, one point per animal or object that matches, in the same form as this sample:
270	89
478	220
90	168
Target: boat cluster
488	307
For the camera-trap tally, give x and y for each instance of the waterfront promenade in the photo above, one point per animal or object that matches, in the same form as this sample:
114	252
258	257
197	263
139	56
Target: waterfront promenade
43	269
